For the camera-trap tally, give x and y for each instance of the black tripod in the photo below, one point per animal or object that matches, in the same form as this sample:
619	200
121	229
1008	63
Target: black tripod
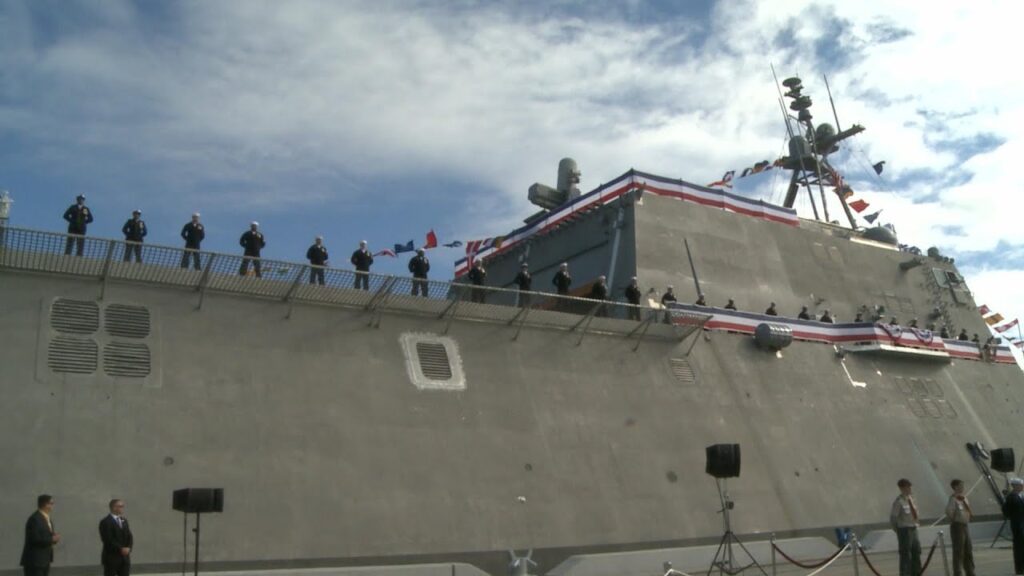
184	544
725	559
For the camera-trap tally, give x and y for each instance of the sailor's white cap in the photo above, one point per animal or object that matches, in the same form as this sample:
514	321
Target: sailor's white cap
1016	482
254	223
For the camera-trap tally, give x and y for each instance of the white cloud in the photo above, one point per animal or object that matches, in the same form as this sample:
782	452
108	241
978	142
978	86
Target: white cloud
257	96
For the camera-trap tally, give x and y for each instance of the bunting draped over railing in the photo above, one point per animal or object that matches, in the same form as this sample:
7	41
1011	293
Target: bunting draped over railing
847	333
611	191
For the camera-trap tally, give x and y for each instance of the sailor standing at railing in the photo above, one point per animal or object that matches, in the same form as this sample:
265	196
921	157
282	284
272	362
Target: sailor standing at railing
524	281
562	280
419	266
633	295
134	231
904	520
252	241
666	299
478	276
362	259
317	256
599	291
193	233
79	217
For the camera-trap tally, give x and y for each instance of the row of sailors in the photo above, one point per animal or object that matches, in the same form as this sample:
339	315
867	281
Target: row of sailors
79	216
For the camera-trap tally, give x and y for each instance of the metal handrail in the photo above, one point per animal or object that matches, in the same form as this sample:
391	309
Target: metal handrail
106	259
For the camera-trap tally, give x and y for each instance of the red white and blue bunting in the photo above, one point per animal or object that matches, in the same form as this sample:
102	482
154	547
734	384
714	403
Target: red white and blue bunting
848	333
632	180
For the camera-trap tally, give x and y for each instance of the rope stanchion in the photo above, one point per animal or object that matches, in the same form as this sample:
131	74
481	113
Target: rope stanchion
929	559
810	566
867	561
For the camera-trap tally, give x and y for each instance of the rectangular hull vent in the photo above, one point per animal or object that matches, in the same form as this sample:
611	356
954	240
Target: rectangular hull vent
72	355
434	360
74	316
126	359
682	370
126	321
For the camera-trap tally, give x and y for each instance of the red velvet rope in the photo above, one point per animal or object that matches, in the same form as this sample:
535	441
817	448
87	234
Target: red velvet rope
927	561
807	566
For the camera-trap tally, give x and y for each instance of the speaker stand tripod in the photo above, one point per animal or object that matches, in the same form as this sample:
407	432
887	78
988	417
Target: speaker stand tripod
725	557
184	544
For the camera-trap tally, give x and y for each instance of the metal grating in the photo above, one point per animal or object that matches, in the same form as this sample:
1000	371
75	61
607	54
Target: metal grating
126	321
126	359
74	316
433	358
931	408
925	397
71	355
682	370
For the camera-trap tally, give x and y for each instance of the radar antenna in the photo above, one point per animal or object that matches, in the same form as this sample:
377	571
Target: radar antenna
808	153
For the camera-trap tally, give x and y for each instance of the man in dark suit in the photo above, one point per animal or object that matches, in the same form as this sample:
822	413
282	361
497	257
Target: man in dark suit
40	538
117	541
1013	511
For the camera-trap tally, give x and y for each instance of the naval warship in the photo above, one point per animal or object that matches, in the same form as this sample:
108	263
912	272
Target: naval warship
375	428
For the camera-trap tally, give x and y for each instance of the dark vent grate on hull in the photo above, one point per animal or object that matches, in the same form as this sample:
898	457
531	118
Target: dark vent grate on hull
126	321
74	316
126	359
434	361
72	355
682	370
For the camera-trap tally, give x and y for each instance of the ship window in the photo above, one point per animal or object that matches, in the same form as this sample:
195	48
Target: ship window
126	321
433	362
71	355
126	359
74	316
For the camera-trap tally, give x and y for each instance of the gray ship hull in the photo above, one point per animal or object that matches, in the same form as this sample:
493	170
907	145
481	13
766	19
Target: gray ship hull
310	418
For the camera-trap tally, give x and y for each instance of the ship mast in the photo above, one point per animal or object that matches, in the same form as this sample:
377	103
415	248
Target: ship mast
808	152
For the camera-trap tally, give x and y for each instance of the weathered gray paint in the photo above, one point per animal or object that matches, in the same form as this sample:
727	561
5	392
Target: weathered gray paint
328	453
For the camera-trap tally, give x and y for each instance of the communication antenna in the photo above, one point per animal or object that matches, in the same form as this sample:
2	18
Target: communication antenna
811	150
832	102
782	102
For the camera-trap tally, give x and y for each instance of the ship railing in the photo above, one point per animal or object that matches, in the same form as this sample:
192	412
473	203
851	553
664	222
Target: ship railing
108	259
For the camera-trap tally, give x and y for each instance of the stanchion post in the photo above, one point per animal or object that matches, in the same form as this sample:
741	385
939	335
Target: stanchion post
855	547
772	540
942	549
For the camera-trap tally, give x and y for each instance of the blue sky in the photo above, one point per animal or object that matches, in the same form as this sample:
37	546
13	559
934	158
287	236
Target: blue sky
382	120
